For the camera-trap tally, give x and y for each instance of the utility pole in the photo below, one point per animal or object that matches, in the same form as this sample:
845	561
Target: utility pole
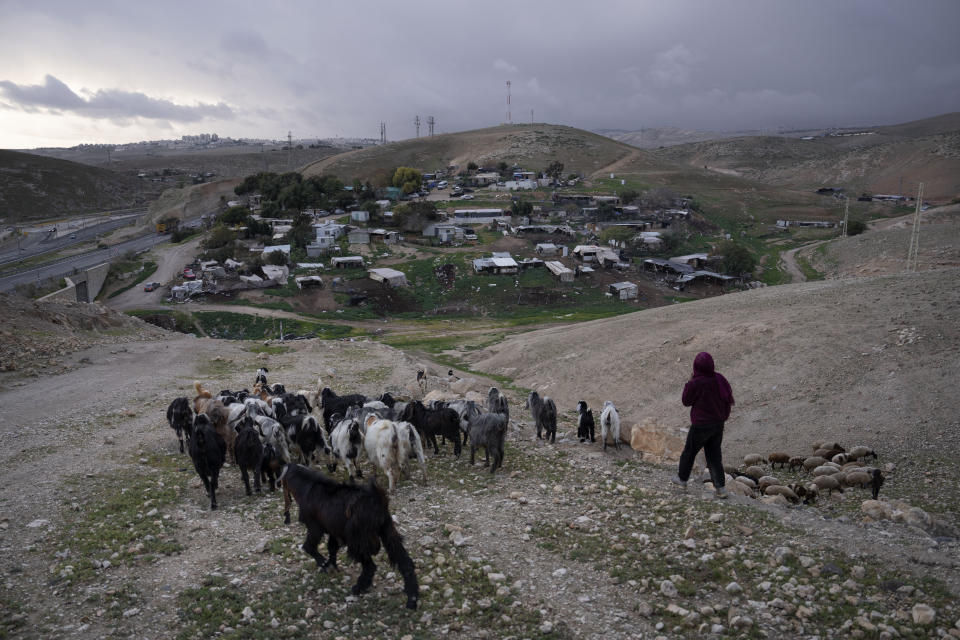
416	123
430	123
913	254
289	151
509	117
383	133
846	216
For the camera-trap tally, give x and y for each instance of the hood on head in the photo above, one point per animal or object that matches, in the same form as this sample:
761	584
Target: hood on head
703	363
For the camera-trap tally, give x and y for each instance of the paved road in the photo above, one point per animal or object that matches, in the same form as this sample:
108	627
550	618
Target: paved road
67	266
41	240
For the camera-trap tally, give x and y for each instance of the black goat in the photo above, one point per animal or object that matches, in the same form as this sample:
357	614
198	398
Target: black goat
489	431
332	403
249	452
291	404
876	481
387	399
304	431
544	413
433	422
180	417
271	466
585	425
355	515
208	452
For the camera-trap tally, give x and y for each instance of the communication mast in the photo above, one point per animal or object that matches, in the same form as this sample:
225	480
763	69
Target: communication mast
430	123
383	133
913	255
289	150
509	117
416	123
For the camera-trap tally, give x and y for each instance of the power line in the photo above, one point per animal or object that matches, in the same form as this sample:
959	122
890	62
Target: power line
430	123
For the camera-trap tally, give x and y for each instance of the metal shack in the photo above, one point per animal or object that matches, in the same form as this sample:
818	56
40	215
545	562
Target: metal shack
388	277
556	268
624	290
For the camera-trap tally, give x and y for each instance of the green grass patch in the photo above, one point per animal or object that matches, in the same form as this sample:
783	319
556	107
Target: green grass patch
149	268
270	349
240	326
118	518
807	269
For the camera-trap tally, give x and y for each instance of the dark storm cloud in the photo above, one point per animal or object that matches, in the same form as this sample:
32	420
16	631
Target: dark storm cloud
113	104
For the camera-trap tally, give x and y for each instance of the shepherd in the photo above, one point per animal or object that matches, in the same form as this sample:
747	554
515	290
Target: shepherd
709	396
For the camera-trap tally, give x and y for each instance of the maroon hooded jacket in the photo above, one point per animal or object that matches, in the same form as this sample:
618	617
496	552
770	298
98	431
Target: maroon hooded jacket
707	393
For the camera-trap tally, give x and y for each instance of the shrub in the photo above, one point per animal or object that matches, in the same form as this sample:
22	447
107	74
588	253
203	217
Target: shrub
856	227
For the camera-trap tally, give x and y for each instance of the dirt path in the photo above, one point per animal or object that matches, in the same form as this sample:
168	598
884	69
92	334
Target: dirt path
171	259
615	166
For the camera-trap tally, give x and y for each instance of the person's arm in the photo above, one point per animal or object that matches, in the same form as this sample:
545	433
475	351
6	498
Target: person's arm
689	394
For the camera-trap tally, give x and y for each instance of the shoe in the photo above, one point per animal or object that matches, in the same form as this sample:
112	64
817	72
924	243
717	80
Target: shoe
721	493
676	480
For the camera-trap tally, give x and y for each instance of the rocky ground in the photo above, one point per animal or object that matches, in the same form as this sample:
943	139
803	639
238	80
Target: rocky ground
105	530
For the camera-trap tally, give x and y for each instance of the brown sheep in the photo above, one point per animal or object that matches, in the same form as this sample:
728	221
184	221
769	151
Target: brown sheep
778	458
204	402
811	463
827	483
828	453
858	478
754	472
796	462
780	490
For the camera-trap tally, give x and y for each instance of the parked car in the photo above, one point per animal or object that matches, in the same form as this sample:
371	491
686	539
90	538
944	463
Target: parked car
150	286
189	274
466	196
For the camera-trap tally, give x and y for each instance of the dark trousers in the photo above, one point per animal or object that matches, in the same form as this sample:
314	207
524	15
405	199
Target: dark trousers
708	437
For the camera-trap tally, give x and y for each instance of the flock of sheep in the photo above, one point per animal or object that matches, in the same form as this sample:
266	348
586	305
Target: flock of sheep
830	468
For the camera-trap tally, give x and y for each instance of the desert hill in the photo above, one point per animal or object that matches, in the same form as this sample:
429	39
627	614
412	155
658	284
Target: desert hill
35	187
856	359
532	146
885	160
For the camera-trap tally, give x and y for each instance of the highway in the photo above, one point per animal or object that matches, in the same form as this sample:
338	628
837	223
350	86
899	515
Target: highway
53	241
46	238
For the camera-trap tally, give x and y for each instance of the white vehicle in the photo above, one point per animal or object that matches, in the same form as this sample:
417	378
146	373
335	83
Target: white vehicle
442	184
467	196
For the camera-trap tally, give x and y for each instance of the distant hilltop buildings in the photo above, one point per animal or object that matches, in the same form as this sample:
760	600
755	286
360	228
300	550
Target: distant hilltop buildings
208	140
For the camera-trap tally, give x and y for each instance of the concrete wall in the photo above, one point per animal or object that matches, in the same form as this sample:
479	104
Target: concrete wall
86	285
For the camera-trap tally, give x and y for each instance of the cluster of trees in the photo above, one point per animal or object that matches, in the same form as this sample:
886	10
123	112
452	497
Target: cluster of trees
285	193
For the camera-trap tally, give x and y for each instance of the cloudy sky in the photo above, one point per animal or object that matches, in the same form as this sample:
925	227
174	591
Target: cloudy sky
100	71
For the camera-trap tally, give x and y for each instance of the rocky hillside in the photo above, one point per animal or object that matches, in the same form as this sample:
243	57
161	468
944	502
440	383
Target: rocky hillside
531	146
888	160
35	187
853	359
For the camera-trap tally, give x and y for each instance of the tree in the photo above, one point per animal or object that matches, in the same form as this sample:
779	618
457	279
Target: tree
554	169
628	195
737	259
521	208
606	211
856	227
659	198
472	166
219	237
301	232
407	179
276	258
235	216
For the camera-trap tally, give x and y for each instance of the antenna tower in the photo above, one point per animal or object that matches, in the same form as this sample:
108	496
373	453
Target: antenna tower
289	150
531	116
416	123
430	123
383	133
913	254
509	118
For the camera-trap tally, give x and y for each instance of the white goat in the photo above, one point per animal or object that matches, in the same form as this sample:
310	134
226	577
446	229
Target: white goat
411	446
346	442
272	433
610	425
382	443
